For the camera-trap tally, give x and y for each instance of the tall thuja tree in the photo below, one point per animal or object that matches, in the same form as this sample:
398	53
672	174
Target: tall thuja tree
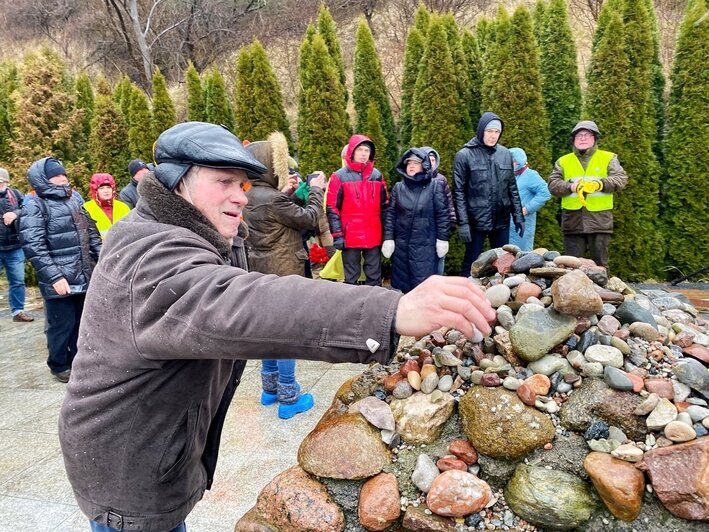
484	34
520	103
195	95
462	68
109	140
422	19
85	101
372	127
412	61
8	84
322	124
218	108
475	71
685	190
46	120
540	22
638	207
122	94
259	102
436	110
164	116
368	87
560	78
607	93
328	31
658	84
140	132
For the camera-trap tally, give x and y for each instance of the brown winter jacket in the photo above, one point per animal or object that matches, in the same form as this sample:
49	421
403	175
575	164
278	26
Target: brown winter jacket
167	326
275	242
584	221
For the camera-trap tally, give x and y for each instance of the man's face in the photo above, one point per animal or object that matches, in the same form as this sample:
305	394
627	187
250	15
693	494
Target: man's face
140	174
219	194
3	185
104	192
432	158
584	139
413	167
491	136
361	153
61	180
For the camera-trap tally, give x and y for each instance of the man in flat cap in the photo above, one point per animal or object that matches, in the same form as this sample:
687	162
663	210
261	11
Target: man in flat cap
170	323
585	180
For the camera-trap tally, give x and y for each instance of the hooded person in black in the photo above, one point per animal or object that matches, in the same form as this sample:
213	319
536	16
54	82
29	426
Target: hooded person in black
485	191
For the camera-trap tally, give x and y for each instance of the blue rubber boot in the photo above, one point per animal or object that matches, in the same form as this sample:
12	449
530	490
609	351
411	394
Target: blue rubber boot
291	401
269	383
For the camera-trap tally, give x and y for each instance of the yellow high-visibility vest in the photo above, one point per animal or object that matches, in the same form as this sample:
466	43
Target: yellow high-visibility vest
103	224
596	169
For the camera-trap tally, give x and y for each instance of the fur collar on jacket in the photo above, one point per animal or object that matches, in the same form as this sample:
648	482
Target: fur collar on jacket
169	208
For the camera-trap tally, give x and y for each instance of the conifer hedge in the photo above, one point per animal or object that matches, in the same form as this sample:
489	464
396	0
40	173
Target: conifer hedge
164	116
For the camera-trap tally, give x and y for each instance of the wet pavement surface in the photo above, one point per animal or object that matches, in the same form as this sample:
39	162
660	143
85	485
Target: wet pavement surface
35	494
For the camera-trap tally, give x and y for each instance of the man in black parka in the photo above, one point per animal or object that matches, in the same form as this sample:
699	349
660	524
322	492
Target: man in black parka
485	191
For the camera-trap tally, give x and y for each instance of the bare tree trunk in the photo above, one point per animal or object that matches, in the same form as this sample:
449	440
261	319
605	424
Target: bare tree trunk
145	54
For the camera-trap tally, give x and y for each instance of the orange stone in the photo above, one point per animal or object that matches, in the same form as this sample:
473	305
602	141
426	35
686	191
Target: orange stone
392	380
618	482
638	383
447	463
379	504
527	290
457	493
464	450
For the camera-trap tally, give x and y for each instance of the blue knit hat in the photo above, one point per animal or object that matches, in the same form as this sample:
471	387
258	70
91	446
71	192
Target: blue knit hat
53	167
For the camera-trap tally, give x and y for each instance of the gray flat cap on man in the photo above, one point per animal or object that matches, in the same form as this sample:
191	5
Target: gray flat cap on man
200	144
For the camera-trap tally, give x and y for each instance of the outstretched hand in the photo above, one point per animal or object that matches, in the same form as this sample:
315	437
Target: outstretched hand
444	302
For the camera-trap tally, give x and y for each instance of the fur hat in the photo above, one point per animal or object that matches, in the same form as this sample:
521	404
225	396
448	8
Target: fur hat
4	176
273	154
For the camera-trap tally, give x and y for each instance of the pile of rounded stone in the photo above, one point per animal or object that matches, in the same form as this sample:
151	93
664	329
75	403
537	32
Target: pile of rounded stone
582	380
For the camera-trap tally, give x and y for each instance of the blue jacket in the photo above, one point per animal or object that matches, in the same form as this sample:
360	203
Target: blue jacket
58	235
533	190
417	216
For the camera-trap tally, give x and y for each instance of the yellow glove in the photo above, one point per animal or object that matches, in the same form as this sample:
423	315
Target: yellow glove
587	187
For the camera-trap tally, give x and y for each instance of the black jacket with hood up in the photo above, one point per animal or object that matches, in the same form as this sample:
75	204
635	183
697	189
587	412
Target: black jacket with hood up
485	190
417	216
58	235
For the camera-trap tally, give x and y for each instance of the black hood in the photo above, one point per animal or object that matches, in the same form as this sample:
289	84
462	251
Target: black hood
485	119
421	177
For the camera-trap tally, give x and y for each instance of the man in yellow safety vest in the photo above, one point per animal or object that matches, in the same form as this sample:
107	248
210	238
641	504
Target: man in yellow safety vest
585	180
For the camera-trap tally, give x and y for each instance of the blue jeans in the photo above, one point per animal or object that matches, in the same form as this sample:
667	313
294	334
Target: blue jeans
13	262
96	527
285	369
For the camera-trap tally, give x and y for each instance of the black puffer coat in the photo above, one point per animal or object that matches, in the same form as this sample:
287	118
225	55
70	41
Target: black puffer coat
58	235
485	190
417	216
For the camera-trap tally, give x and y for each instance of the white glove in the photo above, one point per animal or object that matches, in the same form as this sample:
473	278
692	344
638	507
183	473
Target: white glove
441	248
388	248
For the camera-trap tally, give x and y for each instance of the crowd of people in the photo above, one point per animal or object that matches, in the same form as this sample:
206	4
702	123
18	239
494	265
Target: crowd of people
209	270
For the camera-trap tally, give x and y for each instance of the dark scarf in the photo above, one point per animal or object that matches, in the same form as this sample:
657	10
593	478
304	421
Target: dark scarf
522	169
170	208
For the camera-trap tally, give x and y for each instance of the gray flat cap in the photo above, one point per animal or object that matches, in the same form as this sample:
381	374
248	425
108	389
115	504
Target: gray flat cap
201	144
589	125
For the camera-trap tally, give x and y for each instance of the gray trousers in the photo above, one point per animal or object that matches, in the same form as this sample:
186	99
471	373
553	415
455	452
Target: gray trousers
353	265
597	243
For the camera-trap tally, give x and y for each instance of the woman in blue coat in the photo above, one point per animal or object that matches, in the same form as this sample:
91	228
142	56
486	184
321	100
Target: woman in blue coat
417	222
533	193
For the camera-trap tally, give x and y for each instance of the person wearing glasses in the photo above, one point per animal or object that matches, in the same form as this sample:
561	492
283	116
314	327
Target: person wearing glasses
585	180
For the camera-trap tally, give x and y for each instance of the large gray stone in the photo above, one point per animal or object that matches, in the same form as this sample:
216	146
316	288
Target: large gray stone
594	400
574	294
630	312
536	333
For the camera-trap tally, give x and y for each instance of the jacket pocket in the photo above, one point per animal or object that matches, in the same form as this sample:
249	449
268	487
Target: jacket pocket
179	447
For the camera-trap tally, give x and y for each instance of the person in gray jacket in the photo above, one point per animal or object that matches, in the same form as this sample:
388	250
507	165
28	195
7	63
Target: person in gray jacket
169	323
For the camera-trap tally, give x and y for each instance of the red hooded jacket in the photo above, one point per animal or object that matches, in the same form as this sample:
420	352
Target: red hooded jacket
357	200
